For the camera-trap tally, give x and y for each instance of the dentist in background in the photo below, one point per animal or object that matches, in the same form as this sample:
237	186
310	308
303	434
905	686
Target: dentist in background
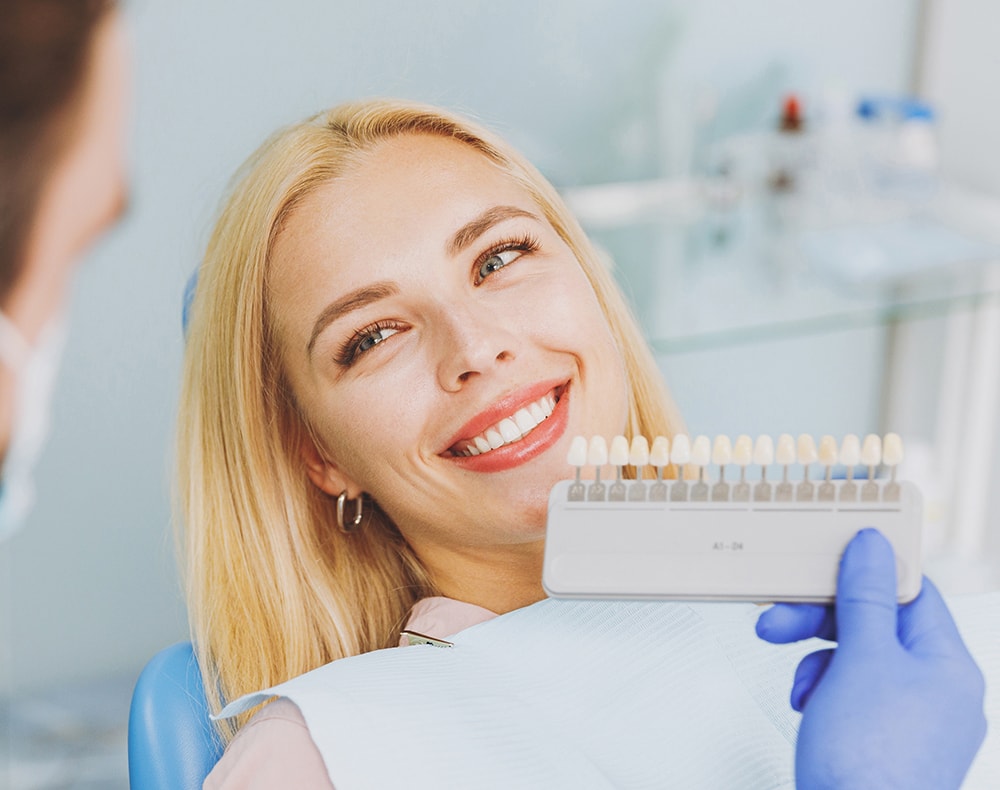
63	88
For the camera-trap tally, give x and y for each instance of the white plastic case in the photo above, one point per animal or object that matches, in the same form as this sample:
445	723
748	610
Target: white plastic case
707	550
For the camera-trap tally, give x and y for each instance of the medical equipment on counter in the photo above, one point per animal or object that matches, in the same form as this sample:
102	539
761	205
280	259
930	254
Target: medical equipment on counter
745	540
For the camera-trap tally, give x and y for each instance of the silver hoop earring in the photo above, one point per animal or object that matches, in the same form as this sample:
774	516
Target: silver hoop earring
349	526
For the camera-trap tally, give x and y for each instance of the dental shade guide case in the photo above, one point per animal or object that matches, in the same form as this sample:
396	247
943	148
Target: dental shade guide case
746	540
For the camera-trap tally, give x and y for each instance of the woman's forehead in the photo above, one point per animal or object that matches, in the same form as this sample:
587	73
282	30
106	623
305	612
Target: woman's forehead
402	188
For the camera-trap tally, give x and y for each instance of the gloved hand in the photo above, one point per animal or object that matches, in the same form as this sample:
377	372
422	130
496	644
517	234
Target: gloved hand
899	702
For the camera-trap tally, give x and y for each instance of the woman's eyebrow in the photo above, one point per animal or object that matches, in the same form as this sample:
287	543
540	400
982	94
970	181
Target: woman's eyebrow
355	300
471	231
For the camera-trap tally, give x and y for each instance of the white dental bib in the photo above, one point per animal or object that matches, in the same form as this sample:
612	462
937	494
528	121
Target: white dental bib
572	694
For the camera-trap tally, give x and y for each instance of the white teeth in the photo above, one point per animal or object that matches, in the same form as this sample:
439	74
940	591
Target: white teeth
508	430
525	422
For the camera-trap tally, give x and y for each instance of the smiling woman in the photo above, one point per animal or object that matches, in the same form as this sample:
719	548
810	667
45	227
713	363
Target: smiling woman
398	331
395	308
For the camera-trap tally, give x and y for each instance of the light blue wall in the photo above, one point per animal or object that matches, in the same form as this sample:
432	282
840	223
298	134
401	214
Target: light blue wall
589	89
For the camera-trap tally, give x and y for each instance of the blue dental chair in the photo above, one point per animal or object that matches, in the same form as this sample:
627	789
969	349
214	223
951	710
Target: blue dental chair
172	744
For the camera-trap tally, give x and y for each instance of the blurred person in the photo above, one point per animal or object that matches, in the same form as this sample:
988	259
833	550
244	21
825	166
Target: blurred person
63	88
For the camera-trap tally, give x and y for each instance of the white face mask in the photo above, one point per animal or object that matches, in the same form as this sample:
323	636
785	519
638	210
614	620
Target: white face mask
35	369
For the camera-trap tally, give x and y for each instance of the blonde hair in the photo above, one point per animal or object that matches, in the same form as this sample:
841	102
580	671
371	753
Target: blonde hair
274	589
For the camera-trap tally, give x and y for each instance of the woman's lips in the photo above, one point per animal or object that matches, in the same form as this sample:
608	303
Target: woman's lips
515	450
508	430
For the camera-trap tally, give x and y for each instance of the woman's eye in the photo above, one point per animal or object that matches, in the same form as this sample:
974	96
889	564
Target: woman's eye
373	338
362	341
495	261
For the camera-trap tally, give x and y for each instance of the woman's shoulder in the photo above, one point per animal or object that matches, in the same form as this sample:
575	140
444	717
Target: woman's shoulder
273	750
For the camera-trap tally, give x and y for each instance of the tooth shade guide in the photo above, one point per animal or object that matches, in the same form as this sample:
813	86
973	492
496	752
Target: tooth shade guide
618	457
703	493
848	491
850	454
658	549
680	451
828	455
763	491
699	491
638	457
722	454
695	484
720	491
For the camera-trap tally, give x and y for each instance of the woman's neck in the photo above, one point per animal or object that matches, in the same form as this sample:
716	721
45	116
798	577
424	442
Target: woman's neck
500	579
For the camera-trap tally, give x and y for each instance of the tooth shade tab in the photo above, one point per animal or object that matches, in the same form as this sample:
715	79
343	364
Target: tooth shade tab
597	455
680	453
828	450
577	455
785	454
806	449
743	450
659	456
618	456
850	450
763	451
701	451
638	454
722	451
871	450
892	449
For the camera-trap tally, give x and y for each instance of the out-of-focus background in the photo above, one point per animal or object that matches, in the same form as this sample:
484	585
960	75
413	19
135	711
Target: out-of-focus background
800	198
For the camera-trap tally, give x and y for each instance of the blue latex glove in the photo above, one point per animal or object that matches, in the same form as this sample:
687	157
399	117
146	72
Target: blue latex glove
899	702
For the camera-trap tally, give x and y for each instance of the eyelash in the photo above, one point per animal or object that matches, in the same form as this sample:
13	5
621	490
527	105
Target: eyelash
525	244
349	352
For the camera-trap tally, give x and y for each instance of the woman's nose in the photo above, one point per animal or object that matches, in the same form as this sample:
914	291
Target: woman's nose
471	345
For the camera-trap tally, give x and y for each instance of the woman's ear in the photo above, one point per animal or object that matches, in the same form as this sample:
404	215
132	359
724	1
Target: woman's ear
324	475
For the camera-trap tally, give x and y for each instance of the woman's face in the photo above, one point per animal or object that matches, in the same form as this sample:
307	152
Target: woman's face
443	342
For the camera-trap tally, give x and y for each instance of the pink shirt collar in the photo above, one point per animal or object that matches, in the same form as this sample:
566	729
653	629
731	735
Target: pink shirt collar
439	617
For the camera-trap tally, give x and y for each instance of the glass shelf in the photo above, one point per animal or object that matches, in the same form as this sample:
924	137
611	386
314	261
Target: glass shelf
716	310
707	272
